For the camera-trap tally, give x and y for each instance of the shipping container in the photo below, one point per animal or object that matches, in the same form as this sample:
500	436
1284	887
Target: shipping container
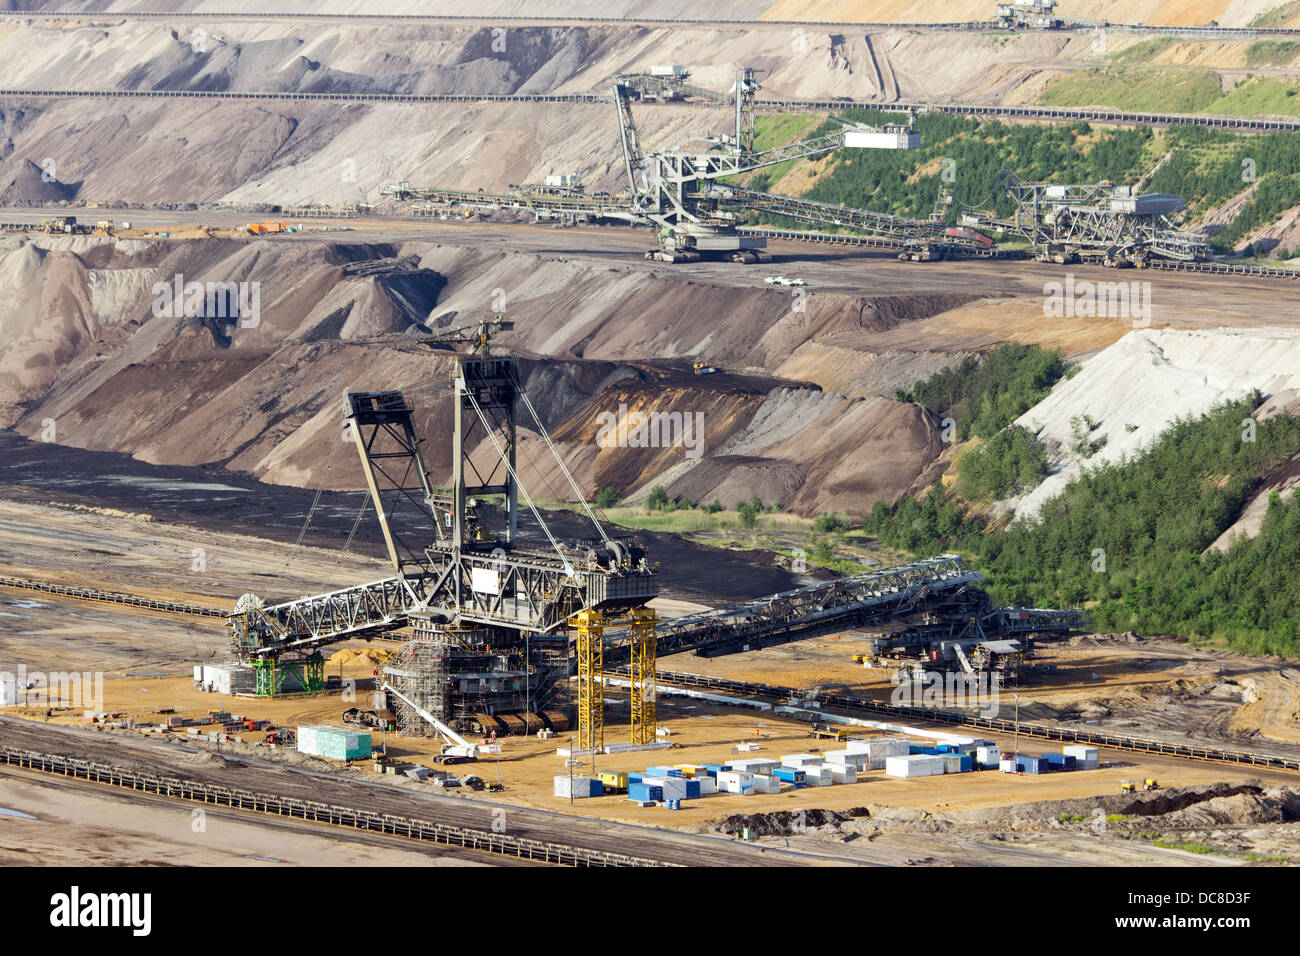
988	757
334	743
735	781
802	760
753	765
582	787
645	793
818	776
957	763
795	775
614	779
1085	758
841	773
914	765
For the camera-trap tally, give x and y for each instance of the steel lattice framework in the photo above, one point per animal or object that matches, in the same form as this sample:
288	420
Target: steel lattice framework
590	628
644	652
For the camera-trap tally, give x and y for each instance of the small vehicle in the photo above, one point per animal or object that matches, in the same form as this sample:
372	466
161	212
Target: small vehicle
1127	786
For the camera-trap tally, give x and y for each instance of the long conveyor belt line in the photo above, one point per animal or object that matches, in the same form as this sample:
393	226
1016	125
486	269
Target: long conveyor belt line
884	709
1068	24
239	799
1062	113
112	597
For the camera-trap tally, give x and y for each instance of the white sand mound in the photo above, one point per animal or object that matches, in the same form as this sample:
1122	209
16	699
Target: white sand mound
1137	387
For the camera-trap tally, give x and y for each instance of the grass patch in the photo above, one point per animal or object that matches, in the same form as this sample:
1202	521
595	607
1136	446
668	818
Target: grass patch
1144	51
1271	52
1157	90
1277	17
1071	818
1168	843
1260	96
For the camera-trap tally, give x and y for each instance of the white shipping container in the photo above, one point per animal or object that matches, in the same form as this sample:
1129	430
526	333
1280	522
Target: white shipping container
842	774
915	765
766	783
817	776
1085	758
582	786
952	763
988	757
735	781
885	139
753	765
857	746
1007	764
881	750
844	758
798	761
708	784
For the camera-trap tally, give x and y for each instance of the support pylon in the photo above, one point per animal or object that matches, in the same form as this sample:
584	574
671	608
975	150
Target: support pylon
591	684
644	652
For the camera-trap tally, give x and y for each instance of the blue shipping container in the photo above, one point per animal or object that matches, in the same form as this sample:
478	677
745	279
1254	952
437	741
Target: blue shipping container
967	762
645	791
634	778
692	789
789	775
1031	764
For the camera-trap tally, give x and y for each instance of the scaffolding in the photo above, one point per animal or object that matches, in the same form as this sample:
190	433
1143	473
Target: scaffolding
419	672
642	631
274	677
590	624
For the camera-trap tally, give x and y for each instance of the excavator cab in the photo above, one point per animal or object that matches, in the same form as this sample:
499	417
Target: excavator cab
1127	786
1150	783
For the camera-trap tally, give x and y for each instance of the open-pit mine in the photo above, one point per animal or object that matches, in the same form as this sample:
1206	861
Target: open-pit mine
759	434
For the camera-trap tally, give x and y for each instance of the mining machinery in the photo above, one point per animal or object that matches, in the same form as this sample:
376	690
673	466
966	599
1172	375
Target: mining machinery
1029	15
1104	222
684	194
488	614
